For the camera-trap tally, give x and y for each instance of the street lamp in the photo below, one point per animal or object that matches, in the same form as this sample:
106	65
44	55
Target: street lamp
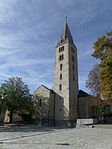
3	98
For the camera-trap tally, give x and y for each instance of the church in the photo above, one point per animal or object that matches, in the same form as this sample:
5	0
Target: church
64	103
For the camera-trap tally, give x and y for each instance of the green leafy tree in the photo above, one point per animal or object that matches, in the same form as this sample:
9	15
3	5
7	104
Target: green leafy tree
18	97
103	52
101	111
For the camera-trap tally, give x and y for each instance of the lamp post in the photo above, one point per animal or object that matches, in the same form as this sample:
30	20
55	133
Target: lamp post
3	98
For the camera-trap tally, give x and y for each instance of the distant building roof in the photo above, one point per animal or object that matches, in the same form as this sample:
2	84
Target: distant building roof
41	86
82	94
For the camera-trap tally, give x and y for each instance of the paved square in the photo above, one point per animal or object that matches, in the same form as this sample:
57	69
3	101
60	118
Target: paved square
32	137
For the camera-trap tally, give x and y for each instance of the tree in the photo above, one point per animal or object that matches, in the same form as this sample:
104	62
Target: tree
103	52
18	97
93	82
101	111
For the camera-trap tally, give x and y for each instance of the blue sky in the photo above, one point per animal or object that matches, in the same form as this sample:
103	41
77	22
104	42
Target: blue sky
30	30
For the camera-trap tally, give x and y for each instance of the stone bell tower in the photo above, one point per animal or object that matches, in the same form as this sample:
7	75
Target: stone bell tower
66	73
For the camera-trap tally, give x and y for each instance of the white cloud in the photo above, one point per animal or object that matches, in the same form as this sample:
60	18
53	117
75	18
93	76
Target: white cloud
89	11
16	62
6	9
8	52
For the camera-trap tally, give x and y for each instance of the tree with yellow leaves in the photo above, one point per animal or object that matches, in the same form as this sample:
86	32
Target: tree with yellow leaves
103	52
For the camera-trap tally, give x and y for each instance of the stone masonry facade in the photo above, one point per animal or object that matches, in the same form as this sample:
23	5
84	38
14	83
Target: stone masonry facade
53	105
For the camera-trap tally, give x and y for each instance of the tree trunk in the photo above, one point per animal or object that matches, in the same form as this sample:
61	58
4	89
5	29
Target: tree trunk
11	114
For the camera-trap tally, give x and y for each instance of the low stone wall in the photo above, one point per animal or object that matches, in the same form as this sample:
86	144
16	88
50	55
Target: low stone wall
82	122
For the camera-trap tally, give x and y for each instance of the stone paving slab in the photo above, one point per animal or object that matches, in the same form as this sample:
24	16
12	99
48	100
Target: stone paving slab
31	137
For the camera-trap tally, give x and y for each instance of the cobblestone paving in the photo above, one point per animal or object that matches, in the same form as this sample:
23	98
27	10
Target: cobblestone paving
32	137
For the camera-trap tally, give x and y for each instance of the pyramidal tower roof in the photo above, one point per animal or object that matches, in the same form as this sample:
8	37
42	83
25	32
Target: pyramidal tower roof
66	35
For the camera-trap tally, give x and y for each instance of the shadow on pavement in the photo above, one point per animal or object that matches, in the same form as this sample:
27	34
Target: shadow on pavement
28	131
29	128
25	128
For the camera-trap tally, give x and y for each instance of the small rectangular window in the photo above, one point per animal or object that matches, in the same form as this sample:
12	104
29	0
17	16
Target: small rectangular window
61	49
62	41
61	57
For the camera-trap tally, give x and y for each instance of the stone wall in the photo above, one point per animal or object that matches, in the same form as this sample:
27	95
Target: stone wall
83	108
15	117
42	91
69	81
51	113
41	102
55	106
64	93
73	82
59	110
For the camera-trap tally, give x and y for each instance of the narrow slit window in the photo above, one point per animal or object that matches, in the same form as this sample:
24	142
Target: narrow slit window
60	66
60	76
40	102
62	56
60	87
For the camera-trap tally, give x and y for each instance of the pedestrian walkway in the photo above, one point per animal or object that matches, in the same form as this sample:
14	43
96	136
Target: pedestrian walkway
33	137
